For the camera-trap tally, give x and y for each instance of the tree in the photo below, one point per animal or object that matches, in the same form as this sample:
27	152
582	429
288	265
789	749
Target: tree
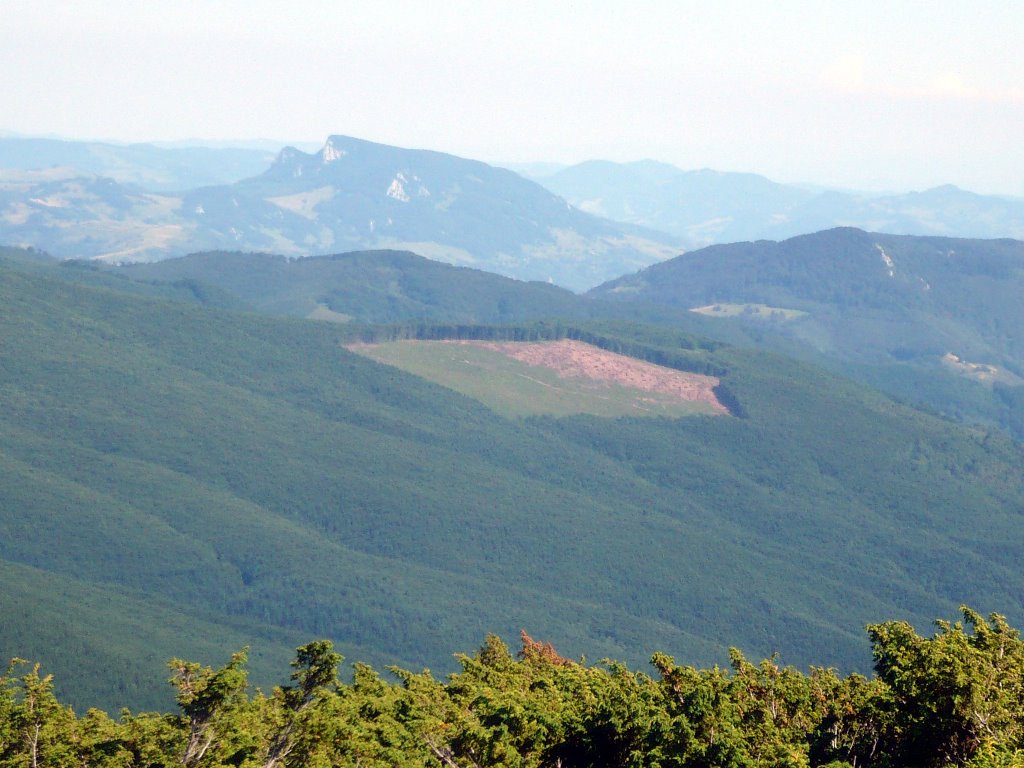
857	719
315	679
37	730
207	700
958	693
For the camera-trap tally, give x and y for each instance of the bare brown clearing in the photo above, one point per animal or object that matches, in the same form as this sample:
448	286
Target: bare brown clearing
576	359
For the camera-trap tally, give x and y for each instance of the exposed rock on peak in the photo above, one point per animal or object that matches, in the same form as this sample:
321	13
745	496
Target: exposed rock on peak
330	152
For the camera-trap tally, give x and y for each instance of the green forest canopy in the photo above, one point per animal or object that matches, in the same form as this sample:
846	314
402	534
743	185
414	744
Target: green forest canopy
953	699
178	480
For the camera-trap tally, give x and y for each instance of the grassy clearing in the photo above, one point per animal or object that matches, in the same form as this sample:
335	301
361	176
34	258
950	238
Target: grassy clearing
512	388
323	312
753	311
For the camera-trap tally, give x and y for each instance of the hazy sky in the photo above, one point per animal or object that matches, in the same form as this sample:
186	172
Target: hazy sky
873	95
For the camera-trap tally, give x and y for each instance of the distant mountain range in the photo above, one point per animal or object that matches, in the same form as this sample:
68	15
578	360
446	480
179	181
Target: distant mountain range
352	194
142	202
704	206
155	168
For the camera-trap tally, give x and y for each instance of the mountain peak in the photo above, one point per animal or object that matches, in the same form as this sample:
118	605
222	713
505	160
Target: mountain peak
288	155
331	151
288	163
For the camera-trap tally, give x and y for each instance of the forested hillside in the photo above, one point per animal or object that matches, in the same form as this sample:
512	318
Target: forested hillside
864	295
827	298
370	286
380	287
934	321
248	475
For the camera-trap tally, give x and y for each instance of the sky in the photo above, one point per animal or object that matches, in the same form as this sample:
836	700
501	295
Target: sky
881	96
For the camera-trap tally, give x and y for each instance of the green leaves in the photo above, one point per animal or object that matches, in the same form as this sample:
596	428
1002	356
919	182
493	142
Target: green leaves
36	730
954	699
209	700
959	693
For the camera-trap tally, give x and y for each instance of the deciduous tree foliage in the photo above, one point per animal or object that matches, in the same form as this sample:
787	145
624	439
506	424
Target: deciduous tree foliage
958	693
953	699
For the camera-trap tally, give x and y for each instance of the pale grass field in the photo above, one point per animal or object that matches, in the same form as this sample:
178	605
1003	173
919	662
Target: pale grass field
487	372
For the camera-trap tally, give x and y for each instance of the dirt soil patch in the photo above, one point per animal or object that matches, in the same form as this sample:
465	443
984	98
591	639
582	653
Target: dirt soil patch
576	359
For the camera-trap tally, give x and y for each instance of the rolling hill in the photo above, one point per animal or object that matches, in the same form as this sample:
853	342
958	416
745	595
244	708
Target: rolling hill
933	320
156	169
248	475
701	207
380	287
369	286
826	298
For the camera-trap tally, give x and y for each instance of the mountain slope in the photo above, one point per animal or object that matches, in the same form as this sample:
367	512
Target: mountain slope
375	287
932	348
254	470
866	294
701	207
371	286
355	193
85	631
933	320
896	346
